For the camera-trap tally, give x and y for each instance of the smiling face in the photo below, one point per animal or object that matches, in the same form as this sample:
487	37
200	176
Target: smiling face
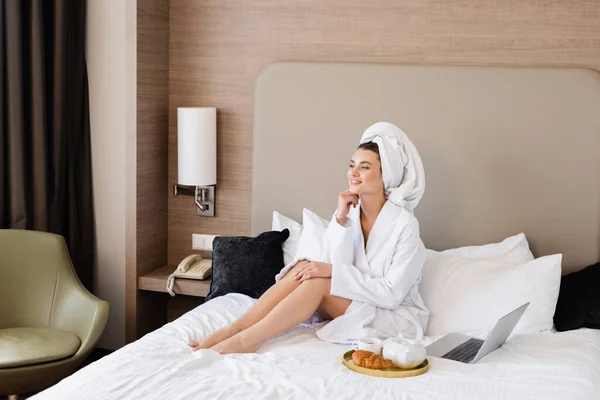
364	173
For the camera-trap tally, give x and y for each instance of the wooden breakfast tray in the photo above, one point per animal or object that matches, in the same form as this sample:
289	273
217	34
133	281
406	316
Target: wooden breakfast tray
393	372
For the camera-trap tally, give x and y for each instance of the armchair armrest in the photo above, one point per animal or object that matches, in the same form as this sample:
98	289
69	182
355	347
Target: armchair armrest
78	311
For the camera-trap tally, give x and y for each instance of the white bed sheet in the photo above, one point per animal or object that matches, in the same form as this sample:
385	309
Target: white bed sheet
297	365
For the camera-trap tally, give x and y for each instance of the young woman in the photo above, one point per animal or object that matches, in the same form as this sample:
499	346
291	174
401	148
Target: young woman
367	281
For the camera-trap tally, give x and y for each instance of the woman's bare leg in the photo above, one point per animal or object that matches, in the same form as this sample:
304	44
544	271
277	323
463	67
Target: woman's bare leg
296	308
333	306
258	311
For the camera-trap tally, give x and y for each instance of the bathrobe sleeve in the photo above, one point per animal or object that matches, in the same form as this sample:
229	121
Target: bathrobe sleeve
338	242
385	292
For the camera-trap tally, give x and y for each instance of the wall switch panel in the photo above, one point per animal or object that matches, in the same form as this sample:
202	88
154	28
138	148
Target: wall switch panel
202	242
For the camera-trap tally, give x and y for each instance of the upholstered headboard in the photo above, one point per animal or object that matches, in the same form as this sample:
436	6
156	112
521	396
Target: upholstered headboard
506	150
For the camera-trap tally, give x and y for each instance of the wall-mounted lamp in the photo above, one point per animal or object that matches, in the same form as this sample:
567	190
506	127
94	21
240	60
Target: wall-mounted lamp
197	156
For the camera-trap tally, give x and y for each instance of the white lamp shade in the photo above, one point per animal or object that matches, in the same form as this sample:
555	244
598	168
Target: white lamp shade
197	146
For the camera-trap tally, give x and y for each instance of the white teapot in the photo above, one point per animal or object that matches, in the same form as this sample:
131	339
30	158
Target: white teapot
404	353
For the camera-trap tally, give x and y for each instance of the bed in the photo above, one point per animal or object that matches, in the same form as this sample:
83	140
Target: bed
298	365
498	162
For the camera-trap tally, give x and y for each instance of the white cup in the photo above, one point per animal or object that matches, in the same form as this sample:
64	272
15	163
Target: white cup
369	344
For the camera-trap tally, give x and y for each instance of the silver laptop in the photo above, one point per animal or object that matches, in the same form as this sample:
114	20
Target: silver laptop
469	350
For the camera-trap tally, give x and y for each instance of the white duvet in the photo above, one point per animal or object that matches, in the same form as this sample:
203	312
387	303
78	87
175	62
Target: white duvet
297	365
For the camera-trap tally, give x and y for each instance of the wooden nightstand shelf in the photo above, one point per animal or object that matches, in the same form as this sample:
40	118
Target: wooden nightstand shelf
156	281
152	293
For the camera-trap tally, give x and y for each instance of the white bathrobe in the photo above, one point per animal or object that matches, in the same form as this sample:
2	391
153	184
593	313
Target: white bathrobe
382	281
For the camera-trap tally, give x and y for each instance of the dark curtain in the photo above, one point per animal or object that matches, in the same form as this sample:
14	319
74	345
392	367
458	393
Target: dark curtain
45	155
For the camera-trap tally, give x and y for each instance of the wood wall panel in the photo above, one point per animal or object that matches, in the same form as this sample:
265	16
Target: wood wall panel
217	48
145	311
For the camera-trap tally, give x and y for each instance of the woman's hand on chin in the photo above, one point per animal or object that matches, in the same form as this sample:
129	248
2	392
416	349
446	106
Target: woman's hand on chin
314	269
346	199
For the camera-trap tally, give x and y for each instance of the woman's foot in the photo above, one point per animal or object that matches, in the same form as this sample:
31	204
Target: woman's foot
235	344
213	339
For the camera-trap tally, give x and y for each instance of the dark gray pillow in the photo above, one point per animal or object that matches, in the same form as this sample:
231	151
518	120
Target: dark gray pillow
578	303
246	265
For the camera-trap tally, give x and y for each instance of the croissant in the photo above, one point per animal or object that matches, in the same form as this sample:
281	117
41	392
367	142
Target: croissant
368	359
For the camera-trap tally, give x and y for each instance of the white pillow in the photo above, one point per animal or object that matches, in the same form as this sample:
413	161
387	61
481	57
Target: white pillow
290	246
311	240
466	295
514	249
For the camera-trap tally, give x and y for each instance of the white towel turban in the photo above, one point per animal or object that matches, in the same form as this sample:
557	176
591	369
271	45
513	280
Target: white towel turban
401	165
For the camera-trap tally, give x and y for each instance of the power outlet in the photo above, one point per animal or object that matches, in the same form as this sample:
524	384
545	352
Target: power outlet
202	242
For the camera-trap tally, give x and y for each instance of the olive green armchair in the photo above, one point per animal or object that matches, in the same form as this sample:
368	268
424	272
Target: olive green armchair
49	322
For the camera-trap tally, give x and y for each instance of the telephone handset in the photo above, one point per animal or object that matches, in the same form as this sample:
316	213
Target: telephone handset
192	267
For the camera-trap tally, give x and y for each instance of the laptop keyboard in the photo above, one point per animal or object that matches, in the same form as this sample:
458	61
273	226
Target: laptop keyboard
464	352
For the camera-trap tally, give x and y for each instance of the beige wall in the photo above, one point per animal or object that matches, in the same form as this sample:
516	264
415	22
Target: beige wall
111	69
217	48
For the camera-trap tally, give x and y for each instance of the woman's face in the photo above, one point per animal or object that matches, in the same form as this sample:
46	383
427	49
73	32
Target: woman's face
364	174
